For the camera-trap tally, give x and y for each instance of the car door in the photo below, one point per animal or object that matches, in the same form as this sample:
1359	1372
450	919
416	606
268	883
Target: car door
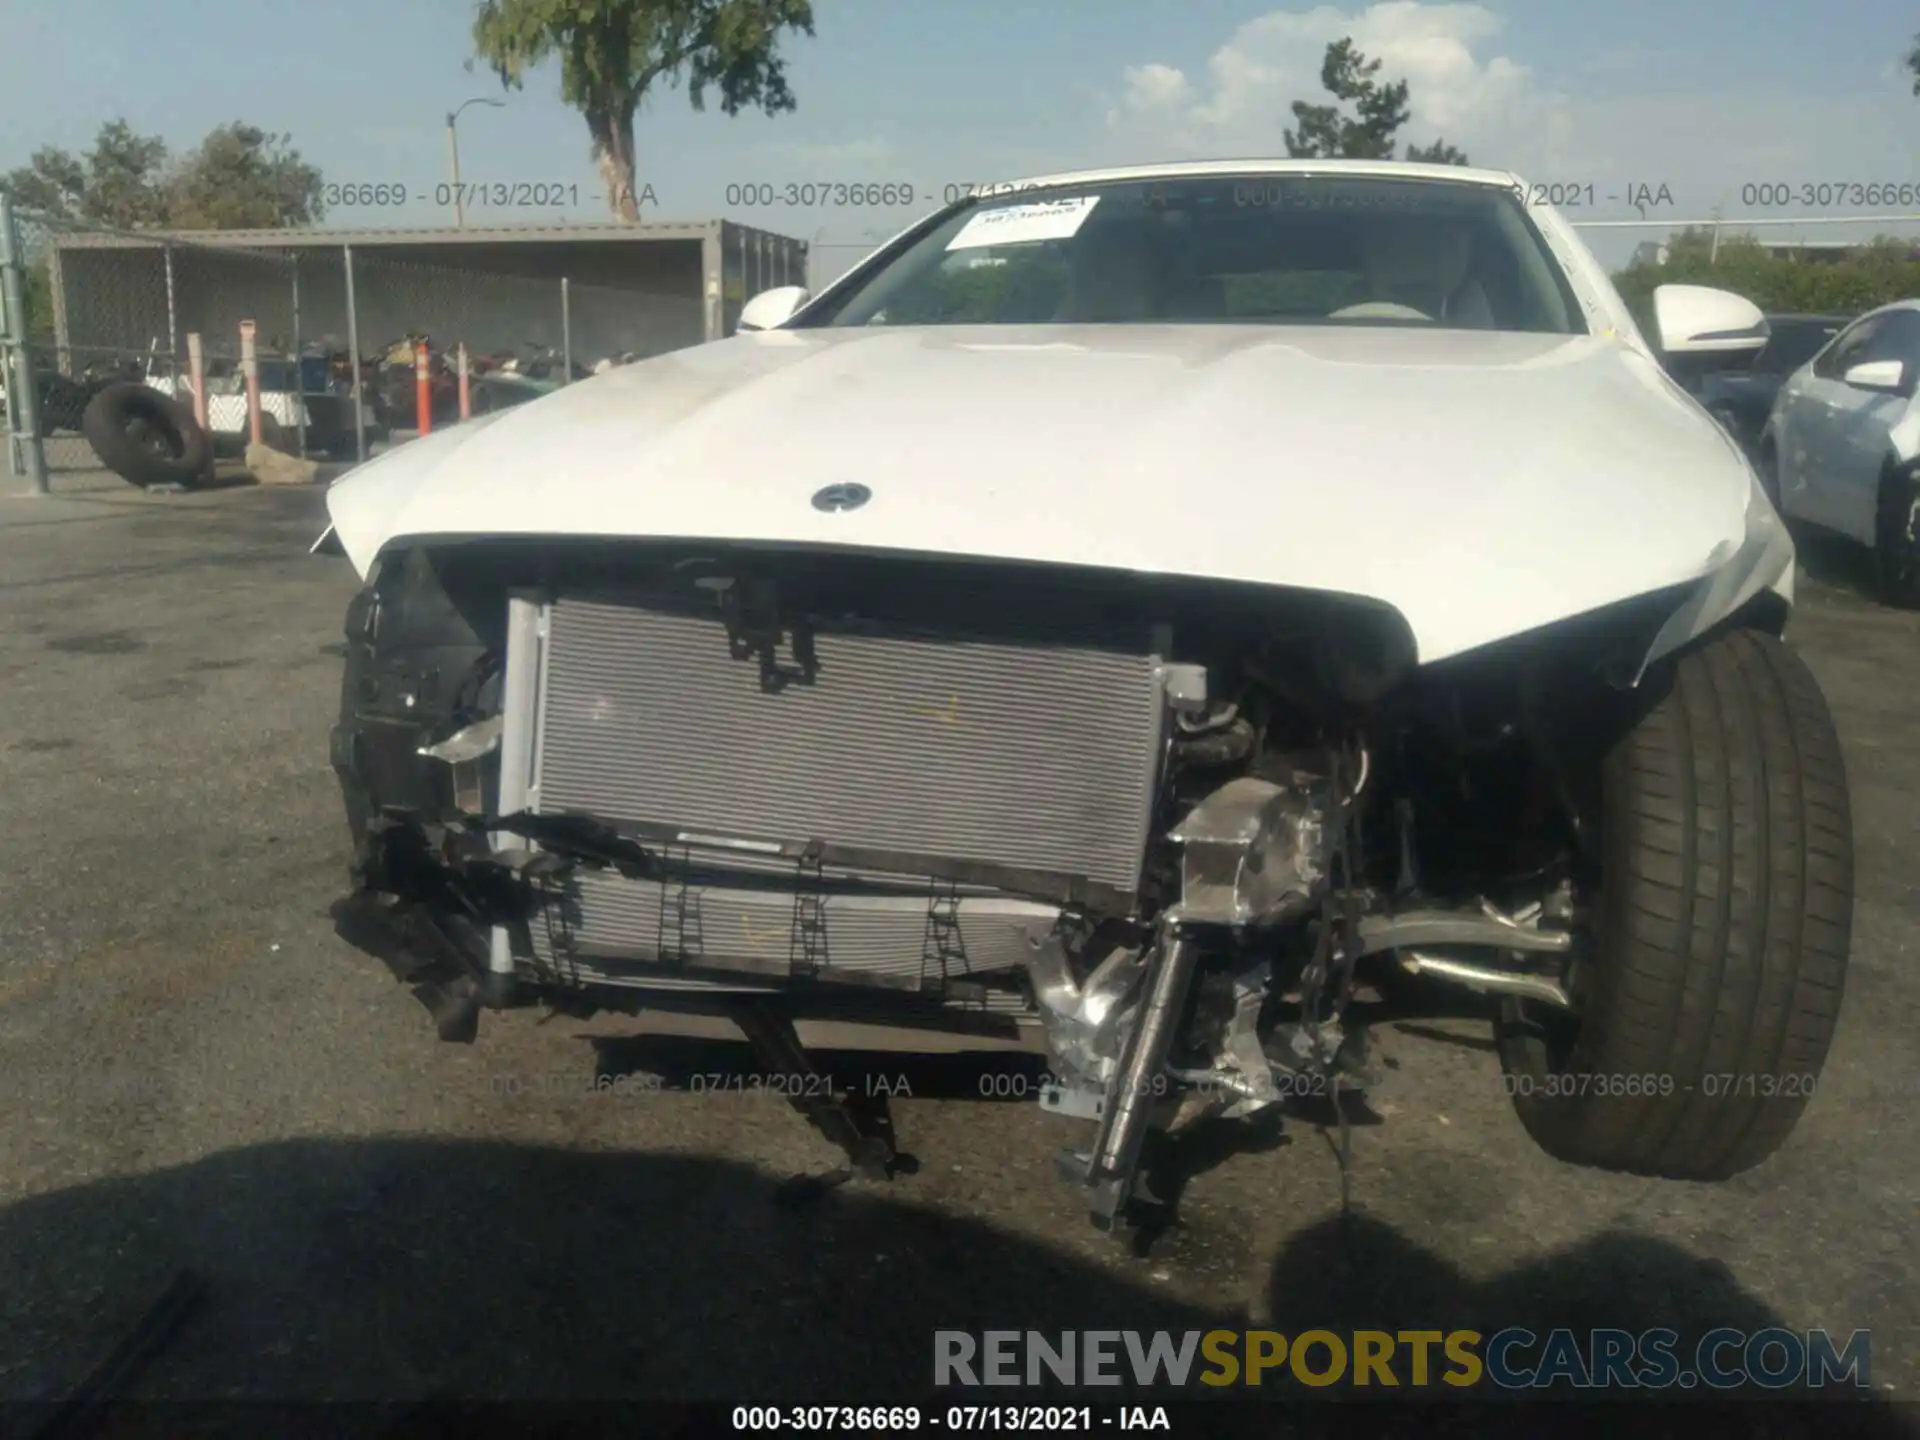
1805	424
1860	426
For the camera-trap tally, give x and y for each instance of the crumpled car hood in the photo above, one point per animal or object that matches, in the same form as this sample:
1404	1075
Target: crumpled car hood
1482	484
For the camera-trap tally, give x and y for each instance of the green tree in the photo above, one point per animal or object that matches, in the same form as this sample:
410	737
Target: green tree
1913	63
1438	153
1873	274
239	176
611	53
242	177
1379	111
119	183
38	294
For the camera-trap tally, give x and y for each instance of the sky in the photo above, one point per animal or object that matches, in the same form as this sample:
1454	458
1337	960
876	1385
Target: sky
1706	98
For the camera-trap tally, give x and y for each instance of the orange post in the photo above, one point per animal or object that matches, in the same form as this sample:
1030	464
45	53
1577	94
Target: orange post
250	367
423	386
466	392
197	377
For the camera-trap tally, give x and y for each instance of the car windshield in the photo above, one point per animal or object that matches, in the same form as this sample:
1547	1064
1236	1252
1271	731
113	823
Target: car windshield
1791	343
1268	249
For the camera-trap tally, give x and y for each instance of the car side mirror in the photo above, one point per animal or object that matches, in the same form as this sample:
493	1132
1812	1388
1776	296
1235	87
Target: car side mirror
771	308
1700	329
1886	376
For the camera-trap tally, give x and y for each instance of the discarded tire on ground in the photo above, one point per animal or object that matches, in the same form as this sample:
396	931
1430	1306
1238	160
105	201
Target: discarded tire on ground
145	437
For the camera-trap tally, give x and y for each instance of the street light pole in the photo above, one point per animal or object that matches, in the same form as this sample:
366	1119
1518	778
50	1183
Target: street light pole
453	153
453	157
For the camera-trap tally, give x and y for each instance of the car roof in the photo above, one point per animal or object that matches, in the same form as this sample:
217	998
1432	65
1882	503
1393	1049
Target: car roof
1195	169
1887	309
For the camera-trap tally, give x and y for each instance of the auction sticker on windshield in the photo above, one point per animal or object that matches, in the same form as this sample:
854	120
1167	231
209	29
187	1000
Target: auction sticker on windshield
1017	224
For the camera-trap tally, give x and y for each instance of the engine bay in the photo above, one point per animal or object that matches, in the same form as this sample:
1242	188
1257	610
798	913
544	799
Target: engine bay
1173	824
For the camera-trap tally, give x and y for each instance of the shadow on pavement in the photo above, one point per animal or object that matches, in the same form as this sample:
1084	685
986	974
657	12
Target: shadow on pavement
1837	563
404	1270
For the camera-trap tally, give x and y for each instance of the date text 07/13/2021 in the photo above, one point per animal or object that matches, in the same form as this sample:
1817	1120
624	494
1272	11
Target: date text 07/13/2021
478	195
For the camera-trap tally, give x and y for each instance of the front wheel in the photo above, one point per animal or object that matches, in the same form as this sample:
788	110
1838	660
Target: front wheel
1716	939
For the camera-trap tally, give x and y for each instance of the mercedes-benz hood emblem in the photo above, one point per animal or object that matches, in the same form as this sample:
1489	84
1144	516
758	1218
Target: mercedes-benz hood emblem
836	498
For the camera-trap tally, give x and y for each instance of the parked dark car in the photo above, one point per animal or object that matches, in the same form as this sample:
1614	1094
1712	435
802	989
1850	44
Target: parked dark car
1742	399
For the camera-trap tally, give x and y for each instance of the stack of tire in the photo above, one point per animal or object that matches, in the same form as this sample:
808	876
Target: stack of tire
146	437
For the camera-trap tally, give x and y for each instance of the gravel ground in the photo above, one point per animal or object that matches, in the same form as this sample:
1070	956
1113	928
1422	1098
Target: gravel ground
198	1074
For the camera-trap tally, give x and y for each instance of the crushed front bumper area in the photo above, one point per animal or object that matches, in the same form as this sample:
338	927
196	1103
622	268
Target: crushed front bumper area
440	952
789	787
470	925
747	774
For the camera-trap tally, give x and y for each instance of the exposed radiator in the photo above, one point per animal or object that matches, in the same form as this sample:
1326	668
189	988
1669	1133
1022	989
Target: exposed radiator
1032	757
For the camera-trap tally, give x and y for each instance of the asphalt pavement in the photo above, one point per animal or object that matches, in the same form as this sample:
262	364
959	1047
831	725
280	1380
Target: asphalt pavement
196	1074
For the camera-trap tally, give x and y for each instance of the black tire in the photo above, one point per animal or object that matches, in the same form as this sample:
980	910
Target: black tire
1717	937
1896	538
145	437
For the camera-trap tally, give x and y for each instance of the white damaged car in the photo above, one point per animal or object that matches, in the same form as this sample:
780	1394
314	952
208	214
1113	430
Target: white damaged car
1177	613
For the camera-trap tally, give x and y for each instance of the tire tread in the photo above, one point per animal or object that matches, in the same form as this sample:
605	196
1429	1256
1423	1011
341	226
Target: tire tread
1724	927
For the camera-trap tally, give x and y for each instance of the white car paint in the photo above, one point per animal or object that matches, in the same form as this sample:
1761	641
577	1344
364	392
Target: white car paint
1832	440
227	404
227	408
1481	483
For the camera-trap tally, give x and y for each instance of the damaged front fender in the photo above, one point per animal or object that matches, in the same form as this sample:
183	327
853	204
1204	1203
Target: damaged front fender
1761	564
368	505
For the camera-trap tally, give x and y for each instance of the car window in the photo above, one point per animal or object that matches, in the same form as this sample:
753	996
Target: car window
1792	343
1316	249
1843	354
1897	338
1013	286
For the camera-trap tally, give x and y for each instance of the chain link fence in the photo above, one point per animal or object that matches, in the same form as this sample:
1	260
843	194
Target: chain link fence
337	333
100	308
